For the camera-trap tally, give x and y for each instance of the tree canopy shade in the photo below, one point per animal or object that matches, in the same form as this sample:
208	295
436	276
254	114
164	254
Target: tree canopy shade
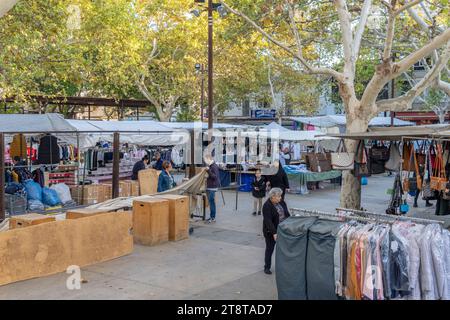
126	49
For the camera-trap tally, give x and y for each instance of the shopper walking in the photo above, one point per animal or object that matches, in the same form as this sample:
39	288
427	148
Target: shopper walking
157	162
279	180
212	186
165	179
275	211
258	192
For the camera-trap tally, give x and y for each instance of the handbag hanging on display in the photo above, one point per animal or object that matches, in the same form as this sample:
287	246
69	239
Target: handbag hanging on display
342	159
427	192
438	180
412	184
406	156
362	167
394	161
396	197
379	152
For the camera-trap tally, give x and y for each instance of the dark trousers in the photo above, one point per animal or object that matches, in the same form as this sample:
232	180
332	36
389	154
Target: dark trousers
270	246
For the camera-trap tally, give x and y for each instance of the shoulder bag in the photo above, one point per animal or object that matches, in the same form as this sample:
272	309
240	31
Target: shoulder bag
393	164
438	179
361	167
342	159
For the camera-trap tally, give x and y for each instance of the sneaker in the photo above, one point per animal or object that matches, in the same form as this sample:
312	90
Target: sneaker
208	221
213	220
259	213
415	205
254	213
267	271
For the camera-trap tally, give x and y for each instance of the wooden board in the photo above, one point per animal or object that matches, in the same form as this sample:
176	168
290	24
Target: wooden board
26	220
148	181
151	221
83	213
178	216
49	248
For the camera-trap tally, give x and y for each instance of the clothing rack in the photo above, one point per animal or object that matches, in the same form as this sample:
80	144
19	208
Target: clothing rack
368	213
339	217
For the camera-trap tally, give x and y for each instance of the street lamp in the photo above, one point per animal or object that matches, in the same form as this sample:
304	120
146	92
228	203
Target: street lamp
222	12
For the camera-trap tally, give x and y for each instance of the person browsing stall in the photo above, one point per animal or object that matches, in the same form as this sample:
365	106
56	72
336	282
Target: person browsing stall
212	186
165	179
138	166
258	192
157	163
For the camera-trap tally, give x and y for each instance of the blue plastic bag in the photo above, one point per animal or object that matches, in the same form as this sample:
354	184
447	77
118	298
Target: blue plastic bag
34	190
364	181
50	197
404	208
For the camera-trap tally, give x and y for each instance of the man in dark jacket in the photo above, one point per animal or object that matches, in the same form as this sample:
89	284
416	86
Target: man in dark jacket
275	211
157	164
138	166
212	186
279	180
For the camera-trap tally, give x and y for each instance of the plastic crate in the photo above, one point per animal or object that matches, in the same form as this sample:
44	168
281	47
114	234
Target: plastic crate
15	204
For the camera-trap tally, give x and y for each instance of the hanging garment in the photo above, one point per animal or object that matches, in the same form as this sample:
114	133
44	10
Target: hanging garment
290	258
48	150
18	147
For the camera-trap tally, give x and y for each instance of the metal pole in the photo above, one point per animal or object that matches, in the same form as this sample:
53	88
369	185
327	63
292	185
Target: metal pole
116	160
2	177
202	97
137	113
192	164
392	94
89	112
210	66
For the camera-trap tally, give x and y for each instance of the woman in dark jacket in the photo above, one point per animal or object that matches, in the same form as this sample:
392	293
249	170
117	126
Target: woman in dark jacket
279	180
274	211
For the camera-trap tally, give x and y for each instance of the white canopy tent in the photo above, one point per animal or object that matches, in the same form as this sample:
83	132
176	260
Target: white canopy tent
145	133
90	132
340	121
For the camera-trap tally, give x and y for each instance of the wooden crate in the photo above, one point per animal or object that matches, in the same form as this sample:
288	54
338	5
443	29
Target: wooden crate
27	220
150	221
49	248
83	213
178	216
148	181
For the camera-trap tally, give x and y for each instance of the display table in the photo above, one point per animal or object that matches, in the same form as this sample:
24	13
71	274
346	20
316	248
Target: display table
298	181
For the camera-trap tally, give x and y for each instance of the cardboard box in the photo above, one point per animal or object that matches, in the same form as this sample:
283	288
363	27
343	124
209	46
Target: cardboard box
26	220
105	192
83	213
178	216
150	221
93	194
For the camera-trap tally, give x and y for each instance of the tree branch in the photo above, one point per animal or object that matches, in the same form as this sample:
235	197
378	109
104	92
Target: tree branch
423	52
361	26
309	69
407	6
346	30
405	101
389	33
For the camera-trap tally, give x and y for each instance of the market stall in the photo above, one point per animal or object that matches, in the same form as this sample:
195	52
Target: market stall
54	153
419	157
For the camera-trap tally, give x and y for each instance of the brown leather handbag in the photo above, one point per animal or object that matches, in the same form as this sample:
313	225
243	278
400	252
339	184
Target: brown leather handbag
438	180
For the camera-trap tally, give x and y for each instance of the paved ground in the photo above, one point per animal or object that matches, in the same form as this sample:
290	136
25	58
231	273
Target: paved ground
219	261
